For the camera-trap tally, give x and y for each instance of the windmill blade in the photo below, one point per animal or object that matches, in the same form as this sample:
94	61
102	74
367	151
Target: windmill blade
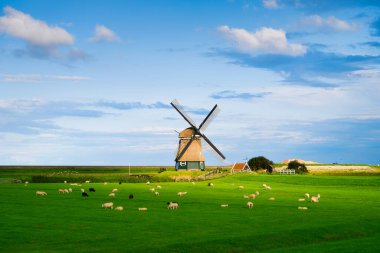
184	149
210	117
180	110
213	152
212	145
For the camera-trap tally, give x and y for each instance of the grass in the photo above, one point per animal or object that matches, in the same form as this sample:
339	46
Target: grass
345	220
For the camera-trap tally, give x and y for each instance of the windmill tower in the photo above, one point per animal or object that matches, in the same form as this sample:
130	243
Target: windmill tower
189	154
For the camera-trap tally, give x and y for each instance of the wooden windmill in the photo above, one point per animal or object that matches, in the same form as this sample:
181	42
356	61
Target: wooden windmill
189	154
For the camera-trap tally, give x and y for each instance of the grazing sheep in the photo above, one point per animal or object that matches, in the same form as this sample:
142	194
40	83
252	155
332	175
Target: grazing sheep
61	191
65	182
84	194
111	194
307	195
87	181
224	205
172	205
158	187
250	196
70	190
130	196
257	193
105	183
74	184
91	189
82	190
143	209
66	190
272	198
181	193
119	208
302	208
114	190
26	183
315	199
147	183
41	193
157	193
241	187
249	204
152	189
210	184
301	200
108	205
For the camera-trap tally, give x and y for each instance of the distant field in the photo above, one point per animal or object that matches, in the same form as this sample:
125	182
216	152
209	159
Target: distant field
346	219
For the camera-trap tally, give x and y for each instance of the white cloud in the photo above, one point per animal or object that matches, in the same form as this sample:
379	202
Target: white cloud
20	25
331	22
34	78
265	40
103	33
270	4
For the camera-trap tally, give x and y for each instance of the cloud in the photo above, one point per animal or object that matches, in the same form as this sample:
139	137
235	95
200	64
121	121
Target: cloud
305	70
263	41
330	23
229	94
103	33
35	78
131	105
375	27
271	4
23	26
371	44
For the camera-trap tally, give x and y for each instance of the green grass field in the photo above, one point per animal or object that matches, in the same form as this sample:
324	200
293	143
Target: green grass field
346	219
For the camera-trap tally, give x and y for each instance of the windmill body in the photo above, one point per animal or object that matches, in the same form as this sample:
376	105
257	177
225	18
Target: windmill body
189	154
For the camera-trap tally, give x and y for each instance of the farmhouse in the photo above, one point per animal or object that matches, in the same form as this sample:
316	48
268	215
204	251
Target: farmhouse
240	167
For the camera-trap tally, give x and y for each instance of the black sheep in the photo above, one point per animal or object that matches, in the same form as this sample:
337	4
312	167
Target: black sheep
130	196
91	189
84	194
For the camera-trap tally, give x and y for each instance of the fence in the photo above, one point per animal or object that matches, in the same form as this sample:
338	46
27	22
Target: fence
287	172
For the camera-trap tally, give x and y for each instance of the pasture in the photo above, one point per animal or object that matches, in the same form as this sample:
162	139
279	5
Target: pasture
346	219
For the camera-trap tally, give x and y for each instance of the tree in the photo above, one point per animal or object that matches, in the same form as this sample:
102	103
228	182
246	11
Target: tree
300	168
260	162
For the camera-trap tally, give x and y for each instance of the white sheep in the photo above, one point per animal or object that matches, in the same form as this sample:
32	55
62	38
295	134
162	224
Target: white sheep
65	182
26	183
41	193
111	194
119	208
250	196
302	208
114	190
152	189
61	191
108	205
272	198
181	193
66	190
257	193
224	205
105	183
249	204
74	184
147	183
241	187
315	198
157	193
87	181
158	187
70	190
301	200
143	209
307	195
172	205
82	190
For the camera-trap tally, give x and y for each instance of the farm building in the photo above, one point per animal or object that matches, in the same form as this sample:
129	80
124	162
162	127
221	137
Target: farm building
240	167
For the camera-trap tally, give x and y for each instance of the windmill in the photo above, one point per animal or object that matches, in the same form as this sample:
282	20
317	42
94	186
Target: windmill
189	154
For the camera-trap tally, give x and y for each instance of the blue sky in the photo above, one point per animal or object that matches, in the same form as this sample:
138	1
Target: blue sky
90	82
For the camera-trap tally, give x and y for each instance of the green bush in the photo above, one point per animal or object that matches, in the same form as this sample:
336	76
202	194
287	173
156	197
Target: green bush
300	168
260	162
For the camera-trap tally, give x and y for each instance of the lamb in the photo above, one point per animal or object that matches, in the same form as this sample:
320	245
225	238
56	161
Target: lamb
91	189
307	195
302	208
84	194
111	194
249	204
108	205
224	205
315	199
119	208
143	209
172	205
114	190
130	196
41	193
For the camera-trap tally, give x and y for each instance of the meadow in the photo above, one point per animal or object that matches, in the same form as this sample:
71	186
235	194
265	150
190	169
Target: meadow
346	219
